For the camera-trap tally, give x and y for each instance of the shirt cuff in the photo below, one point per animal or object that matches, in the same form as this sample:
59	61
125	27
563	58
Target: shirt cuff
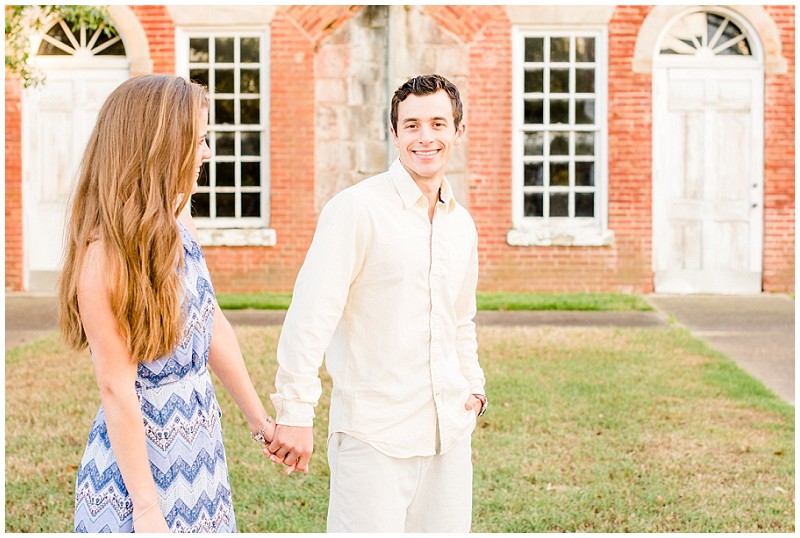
292	413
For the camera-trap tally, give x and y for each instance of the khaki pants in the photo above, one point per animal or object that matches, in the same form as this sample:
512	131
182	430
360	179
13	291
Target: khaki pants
373	492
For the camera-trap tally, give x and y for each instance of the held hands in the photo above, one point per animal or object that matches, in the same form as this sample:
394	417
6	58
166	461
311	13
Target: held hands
291	445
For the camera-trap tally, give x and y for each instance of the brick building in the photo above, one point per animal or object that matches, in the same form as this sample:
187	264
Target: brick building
611	148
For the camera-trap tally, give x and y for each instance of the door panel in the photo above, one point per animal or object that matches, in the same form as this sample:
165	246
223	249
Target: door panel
59	117
707	181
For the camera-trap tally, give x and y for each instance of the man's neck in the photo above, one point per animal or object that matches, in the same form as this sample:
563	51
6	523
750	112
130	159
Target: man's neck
431	189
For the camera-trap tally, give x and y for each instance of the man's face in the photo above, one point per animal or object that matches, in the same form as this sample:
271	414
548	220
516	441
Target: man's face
426	135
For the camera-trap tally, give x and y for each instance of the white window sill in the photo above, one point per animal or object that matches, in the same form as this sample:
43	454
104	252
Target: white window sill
559	237
237	237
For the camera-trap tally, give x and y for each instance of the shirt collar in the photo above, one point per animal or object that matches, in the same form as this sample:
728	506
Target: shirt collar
410	193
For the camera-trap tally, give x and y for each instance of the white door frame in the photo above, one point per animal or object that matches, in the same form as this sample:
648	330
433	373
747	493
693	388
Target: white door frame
662	65
58	68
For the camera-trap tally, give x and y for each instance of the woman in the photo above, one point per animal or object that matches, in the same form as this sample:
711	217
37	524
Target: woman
136	289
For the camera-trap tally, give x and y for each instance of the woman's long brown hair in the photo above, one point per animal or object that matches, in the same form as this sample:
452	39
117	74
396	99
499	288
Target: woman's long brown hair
135	177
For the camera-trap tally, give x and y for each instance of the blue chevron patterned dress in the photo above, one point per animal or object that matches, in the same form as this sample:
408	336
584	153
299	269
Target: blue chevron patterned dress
182	425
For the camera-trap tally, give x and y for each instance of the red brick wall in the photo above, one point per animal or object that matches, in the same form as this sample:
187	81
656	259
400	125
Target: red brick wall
13	180
160	31
623	266
626	265
779	163
295	32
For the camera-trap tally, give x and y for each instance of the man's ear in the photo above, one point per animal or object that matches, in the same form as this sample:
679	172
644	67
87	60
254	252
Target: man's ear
460	131
394	136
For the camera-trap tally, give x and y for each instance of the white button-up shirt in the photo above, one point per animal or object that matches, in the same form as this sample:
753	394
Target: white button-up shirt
388	296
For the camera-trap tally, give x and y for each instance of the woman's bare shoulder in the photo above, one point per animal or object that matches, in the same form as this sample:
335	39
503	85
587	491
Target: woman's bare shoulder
94	267
186	219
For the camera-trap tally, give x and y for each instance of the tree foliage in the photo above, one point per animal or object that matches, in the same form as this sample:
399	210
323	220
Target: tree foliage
22	22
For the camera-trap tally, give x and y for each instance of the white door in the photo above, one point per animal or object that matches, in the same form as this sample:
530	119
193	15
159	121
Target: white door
708	180
58	118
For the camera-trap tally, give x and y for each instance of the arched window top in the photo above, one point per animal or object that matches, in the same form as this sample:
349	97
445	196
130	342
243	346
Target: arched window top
61	40
705	34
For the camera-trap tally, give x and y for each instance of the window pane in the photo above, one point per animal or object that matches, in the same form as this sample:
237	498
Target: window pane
251	111
534	143
534	204
534	174
251	174
584	111
56	32
534	80
730	31
714	22
223	49
248	82
584	80
251	143
199	75
534	111
739	49
200	205
223	111
559	204
235	131
559	144
559	99
584	49
205	175
116	49
584	174
224	143
559	81
198	49
226	204
249	50
559	49
559	174
534	49
559	111
584	143
226	174
584	204
251	204
223	81
48	49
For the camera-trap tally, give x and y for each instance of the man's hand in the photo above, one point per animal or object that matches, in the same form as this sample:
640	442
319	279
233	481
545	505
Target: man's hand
473	404
293	446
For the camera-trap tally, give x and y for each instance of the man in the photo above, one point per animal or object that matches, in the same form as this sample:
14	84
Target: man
387	294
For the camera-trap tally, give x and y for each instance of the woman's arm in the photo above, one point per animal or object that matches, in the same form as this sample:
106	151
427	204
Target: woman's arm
225	359
115	373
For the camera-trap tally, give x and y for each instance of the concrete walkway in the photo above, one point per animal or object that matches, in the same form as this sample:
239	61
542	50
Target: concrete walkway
757	332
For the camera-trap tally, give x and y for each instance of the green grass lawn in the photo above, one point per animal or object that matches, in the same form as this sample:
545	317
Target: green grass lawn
595	430
486	301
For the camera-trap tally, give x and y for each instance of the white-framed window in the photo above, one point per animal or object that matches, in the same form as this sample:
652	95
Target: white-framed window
560	137
231	206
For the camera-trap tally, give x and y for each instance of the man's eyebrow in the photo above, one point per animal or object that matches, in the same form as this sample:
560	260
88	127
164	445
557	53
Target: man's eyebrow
436	118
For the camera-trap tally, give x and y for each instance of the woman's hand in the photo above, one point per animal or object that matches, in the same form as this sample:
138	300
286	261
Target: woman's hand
149	520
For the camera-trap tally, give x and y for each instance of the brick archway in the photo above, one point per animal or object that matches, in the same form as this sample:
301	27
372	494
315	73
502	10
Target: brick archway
660	17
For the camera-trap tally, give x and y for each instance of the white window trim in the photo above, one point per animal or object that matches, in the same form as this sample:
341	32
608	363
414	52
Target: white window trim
530	231
232	231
